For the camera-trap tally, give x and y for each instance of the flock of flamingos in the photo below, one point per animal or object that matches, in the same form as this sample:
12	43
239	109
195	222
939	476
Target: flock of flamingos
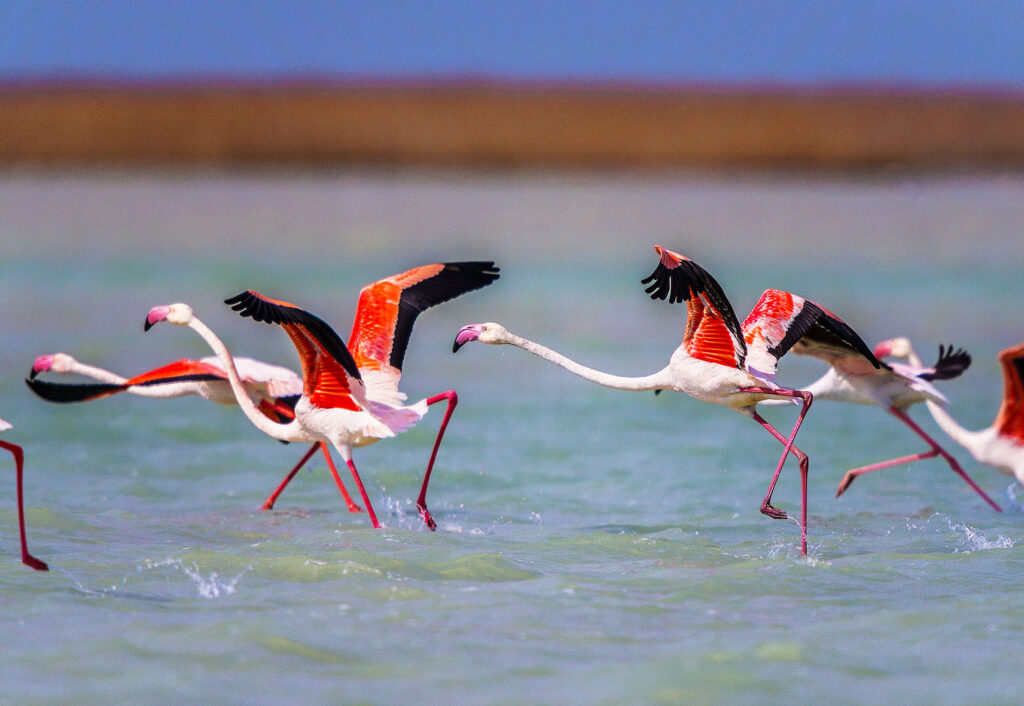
348	394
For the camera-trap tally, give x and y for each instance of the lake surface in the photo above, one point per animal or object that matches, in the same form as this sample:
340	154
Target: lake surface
593	546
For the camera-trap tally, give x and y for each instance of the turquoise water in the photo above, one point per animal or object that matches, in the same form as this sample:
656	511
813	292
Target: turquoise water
592	545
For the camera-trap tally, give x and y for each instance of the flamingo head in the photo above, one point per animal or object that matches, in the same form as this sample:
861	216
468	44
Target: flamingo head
60	363
179	314
893	348
4	425
491	333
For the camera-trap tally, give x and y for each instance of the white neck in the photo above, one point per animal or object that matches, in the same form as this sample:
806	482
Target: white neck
283	432
649	382
91	371
970	440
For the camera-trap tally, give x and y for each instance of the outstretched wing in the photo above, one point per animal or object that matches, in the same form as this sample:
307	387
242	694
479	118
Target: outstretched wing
712	330
951	364
185	370
781	322
1010	420
330	377
388	309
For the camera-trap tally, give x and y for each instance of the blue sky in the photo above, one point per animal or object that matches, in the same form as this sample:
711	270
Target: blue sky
798	42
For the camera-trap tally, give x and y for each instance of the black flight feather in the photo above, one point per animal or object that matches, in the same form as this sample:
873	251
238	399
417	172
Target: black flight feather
951	364
456	278
252	305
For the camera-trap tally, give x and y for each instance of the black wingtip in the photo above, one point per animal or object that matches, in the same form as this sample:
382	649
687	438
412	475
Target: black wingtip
70	392
951	363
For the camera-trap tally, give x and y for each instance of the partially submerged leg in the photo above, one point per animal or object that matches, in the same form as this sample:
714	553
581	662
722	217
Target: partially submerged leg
26	558
936	450
421	501
766	505
347	455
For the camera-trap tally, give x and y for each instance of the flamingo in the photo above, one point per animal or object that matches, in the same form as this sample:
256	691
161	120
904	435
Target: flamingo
19	458
894	387
274	388
719	361
1002	444
350	396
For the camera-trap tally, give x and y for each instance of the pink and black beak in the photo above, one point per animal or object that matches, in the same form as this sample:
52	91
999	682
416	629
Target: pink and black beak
41	365
155	316
465	335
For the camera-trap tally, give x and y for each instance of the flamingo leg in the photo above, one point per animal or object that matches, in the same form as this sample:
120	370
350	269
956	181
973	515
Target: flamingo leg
421	501
936	450
362	490
804	462
268	504
352	507
26	558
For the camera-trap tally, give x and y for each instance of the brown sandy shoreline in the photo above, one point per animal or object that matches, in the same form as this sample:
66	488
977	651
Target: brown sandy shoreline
476	124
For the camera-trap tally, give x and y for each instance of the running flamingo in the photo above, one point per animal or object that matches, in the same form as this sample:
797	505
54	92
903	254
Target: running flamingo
719	361
19	458
274	389
350	396
894	387
1002	444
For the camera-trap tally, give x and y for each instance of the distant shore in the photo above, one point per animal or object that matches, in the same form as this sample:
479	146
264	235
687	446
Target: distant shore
493	125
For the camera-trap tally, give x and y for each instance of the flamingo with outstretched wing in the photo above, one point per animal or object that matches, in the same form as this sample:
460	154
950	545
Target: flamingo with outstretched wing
719	360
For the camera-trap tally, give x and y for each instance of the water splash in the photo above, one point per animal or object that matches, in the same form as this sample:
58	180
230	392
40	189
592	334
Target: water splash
211	587
971	538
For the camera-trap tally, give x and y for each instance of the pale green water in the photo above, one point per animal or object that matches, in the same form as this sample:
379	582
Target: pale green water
593	545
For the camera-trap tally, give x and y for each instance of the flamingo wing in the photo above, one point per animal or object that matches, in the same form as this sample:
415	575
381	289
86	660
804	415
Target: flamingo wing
185	370
951	364
713	332
1010	420
329	373
781	322
388	309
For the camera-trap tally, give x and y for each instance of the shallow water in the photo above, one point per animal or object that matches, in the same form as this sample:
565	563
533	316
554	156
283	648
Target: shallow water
592	545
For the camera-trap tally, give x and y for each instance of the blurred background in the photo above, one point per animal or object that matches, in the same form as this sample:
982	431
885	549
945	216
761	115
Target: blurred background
575	84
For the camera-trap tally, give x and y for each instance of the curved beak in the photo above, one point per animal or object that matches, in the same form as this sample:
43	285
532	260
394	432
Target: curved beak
41	364
155	316
465	335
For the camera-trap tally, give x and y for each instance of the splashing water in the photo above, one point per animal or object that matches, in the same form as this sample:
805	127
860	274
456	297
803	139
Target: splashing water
973	538
212	587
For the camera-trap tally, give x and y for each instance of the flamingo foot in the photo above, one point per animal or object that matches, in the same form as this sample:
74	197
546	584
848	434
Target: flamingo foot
352	507
32	562
427	519
774	512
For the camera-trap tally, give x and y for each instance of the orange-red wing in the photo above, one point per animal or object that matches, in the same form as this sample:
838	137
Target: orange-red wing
329	373
1010	420
712	328
707	337
178	371
388	308
781	321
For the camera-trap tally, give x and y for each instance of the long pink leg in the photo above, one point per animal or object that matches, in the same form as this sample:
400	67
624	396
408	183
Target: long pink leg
804	462
26	558
362	492
268	504
936	450
421	501
352	507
